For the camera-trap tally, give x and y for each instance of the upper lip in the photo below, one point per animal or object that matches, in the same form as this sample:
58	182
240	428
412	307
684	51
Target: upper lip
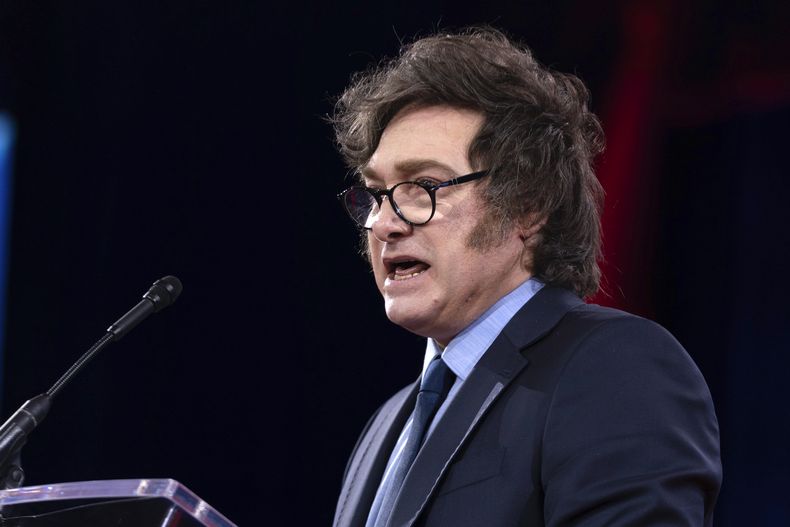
393	260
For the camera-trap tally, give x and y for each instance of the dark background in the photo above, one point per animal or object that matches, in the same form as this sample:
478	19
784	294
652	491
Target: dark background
186	138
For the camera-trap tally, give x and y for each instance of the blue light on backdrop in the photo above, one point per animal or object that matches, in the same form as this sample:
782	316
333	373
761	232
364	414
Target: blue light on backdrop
6	148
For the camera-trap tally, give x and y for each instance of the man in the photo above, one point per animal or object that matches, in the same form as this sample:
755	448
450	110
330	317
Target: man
480	210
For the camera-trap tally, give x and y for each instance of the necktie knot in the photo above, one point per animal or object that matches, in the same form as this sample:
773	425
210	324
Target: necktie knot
437	377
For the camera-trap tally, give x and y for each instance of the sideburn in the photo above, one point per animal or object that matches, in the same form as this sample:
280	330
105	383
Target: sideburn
490	232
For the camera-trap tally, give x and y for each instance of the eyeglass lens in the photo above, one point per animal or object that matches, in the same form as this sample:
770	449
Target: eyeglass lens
411	199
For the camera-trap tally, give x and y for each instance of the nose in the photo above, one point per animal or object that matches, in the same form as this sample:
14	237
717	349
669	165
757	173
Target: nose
388	226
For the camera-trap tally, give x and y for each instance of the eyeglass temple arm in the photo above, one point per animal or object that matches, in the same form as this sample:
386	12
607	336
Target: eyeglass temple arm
461	179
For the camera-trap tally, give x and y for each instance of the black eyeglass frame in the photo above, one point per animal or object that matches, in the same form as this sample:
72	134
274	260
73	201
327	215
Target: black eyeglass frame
377	194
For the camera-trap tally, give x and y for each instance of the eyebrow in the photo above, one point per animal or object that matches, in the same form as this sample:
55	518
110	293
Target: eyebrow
409	166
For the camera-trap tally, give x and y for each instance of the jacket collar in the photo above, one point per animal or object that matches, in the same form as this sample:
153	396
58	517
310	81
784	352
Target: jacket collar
369	458
502	362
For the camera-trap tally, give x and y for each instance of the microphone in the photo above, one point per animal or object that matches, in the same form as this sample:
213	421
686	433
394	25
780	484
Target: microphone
14	432
164	292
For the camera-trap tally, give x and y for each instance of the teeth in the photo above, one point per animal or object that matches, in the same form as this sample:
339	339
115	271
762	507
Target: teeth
406	276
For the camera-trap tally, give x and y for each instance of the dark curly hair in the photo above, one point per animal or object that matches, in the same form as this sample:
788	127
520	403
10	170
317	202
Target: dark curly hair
538	141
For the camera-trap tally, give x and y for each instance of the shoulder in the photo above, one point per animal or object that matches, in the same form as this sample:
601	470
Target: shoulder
593	332
592	320
602	349
629	409
605	343
605	336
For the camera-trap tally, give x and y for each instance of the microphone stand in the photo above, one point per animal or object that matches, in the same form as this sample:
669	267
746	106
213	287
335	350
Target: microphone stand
14	432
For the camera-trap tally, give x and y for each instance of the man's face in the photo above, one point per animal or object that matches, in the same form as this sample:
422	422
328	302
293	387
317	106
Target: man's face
433	283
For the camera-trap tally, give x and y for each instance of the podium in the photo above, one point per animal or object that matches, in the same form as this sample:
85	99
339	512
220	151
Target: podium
110	503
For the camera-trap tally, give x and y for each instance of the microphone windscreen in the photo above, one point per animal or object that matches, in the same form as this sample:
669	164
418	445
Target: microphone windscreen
164	292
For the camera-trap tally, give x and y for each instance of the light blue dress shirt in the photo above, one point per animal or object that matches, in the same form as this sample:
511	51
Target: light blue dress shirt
461	355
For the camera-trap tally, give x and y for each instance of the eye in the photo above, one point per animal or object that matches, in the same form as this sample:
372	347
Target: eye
427	181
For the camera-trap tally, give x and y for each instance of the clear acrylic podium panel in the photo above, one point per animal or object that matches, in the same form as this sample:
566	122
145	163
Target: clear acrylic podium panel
166	499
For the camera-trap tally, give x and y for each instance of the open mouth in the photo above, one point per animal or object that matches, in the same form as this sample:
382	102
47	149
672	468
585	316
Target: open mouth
406	269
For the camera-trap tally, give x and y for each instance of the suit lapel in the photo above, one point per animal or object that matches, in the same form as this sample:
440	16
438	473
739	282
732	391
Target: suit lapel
370	458
501	363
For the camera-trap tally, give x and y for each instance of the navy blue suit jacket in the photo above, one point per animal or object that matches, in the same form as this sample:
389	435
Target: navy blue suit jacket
576	415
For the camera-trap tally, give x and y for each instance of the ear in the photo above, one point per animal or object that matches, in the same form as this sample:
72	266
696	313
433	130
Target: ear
528	229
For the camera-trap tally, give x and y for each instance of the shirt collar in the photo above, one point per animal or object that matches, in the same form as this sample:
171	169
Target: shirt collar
463	352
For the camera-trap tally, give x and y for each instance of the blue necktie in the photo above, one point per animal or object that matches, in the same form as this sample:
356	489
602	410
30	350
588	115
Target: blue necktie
433	389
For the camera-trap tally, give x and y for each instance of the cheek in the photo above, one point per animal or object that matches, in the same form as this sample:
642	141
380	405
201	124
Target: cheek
371	247
378	274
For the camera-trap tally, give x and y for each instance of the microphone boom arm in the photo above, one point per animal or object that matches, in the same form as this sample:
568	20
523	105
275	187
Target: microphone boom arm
14	432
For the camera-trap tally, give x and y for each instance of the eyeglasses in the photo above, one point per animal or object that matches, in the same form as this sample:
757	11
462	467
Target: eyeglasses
413	201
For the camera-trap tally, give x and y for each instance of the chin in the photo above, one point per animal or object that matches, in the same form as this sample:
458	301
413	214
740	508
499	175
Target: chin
409	318
421	322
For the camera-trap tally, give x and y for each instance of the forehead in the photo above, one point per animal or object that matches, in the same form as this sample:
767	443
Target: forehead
425	138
